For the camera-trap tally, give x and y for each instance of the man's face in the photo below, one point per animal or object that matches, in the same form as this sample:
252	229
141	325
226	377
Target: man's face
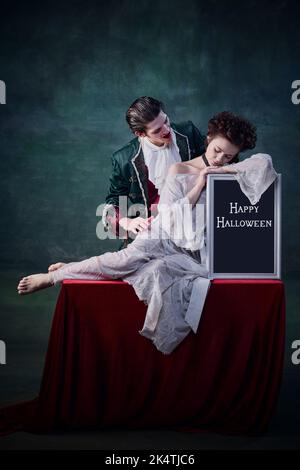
220	150
158	131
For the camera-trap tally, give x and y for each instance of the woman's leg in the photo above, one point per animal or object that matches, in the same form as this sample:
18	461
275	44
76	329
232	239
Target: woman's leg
111	265
86	269
34	282
55	266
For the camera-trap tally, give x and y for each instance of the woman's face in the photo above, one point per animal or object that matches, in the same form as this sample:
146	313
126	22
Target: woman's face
220	150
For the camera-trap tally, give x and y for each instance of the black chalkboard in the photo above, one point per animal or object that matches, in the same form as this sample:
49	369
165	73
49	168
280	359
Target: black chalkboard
243	240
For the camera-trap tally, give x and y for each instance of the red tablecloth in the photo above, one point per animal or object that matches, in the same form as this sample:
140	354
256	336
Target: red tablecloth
100	372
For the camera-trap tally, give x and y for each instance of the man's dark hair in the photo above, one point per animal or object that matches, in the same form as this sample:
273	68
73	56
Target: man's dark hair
142	111
238	130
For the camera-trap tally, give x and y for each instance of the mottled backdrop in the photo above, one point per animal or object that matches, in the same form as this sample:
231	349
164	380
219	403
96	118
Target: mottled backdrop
72	68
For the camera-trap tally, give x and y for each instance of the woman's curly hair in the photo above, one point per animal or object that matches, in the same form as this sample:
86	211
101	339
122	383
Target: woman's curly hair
238	130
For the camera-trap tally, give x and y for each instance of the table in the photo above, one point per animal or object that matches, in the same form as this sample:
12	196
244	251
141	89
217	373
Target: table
100	372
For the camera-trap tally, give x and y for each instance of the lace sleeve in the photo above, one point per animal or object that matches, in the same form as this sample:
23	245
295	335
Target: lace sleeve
171	205
180	221
173	191
255	175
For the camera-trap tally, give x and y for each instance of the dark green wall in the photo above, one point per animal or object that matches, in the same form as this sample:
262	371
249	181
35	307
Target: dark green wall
72	69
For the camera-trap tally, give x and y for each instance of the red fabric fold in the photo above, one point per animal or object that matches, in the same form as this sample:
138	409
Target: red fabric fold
100	372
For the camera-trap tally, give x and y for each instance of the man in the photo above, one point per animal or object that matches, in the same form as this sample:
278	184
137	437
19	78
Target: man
139	169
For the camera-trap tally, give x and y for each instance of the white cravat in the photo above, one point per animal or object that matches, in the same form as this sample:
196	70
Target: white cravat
159	159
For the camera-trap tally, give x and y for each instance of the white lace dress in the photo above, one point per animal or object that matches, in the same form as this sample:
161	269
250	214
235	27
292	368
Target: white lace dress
166	264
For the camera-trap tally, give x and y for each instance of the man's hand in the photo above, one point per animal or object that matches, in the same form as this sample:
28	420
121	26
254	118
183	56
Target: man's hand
135	225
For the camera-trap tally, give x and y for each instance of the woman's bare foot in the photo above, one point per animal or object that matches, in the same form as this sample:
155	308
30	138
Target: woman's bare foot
30	284
54	267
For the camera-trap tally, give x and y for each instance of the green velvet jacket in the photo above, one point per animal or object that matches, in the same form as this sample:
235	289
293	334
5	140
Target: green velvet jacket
129	172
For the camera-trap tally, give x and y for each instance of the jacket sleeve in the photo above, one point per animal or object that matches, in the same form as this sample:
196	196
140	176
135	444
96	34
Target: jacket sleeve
198	140
118	187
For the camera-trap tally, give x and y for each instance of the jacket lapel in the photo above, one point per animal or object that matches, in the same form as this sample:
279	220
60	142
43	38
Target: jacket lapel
141	172
183	146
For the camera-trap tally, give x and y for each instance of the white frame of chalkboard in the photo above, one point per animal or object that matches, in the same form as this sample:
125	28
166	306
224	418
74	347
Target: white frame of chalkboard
276	274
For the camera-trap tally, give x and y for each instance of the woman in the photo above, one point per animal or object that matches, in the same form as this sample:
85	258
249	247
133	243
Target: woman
166	263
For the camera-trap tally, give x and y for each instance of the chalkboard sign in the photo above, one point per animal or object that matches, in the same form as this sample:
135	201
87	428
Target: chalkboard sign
243	240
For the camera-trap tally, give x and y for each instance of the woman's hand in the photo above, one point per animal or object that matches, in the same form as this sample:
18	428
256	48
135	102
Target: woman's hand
227	169
209	170
194	194
214	169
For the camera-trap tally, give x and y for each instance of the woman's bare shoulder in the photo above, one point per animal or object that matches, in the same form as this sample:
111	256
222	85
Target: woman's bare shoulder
181	168
196	163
